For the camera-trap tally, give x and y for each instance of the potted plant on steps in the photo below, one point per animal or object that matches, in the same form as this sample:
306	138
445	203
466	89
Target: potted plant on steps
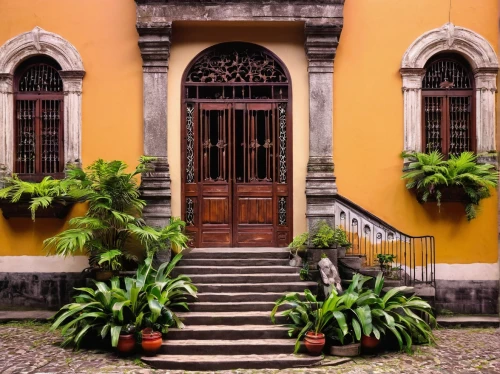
126	341
310	319
298	249
330	241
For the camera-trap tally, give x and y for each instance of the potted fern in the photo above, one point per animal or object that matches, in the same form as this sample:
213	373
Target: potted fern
458	179
49	198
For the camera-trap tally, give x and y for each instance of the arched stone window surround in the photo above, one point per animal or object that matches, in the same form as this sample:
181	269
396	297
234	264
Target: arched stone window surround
15	51
484	63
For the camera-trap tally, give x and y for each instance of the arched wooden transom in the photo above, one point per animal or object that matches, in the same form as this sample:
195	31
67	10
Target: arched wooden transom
237	157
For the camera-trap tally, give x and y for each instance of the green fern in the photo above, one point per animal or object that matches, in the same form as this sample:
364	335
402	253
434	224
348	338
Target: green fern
429	173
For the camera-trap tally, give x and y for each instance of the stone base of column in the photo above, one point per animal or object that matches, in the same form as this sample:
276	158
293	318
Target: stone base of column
155	190
321	189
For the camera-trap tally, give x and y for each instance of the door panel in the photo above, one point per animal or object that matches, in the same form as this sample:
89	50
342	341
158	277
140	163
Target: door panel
236	191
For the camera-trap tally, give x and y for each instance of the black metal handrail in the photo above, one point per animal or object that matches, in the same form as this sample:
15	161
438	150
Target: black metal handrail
370	235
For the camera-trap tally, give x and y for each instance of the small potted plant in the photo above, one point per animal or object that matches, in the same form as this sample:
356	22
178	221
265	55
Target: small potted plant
151	341
126	341
298	248
385	261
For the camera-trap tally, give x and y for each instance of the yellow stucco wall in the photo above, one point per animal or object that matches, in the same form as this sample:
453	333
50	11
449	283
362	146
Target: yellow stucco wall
368	117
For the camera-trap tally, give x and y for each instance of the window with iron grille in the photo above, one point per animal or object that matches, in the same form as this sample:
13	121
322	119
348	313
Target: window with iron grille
448	124
38	122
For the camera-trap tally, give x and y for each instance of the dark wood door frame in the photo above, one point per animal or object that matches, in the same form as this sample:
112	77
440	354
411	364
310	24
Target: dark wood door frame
232	125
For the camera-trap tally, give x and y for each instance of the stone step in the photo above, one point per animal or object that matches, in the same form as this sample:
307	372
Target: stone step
230	362
199	270
232	307
353	262
256	287
228	297
225	262
237	253
229	318
202	332
233	347
198	280
469	321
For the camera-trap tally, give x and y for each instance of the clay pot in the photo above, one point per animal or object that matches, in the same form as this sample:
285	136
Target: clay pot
348	350
369	344
314	342
126	344
151	341
104	275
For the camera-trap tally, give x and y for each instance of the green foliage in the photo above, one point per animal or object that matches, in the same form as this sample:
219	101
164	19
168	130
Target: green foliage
360	311
429	173
385	261
42	194
304	272
326	237
299	243
144	301
308	315
112	226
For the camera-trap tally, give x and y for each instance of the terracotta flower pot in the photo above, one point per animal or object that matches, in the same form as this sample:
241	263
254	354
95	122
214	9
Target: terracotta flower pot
314	342
369	343
126	344
151	341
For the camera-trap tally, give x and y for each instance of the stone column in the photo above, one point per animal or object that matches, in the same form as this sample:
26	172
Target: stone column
72	83
321	46
6	126
154	43
412	91
485	79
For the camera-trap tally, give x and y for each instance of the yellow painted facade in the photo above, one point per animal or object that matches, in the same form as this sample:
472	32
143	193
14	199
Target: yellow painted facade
368	104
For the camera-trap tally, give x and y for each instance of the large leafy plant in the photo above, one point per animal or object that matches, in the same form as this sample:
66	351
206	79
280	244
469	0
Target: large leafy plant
112	227
145	300
429	174
308	315
325	236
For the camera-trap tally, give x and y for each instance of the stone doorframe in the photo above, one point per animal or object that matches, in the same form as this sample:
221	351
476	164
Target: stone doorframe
323	21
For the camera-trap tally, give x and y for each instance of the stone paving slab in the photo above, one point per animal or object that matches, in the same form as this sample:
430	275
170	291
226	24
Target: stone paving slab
26	315
469	321
28	347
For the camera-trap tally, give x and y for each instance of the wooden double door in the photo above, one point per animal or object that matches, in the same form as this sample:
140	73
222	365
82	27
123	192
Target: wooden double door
237	169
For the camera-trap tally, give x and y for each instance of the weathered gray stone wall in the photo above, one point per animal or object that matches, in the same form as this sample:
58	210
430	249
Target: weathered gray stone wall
468	297
37	290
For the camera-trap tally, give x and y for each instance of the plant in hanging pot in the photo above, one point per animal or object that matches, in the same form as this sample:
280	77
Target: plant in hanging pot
460	178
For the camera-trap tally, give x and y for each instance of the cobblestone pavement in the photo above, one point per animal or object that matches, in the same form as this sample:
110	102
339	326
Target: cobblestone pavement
31	348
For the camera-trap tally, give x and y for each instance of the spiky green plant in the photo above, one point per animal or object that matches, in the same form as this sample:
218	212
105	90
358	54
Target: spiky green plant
145	301
430	173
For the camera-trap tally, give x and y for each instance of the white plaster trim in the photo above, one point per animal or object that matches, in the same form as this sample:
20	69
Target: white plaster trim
472	272
484	62
40	264
15	51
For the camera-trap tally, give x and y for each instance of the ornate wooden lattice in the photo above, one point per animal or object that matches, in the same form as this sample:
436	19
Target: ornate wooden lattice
237	63
38	122
237	148
448	107
40	78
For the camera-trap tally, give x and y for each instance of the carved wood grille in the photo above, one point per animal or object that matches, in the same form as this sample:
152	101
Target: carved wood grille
448	108
38	121
237	63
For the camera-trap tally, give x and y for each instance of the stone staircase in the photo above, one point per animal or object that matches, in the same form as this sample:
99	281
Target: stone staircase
229	326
